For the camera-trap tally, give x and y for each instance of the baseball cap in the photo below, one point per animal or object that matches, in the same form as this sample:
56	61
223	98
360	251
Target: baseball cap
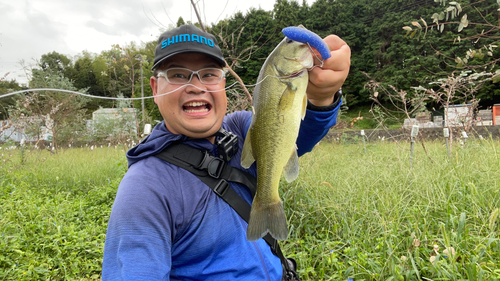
186	39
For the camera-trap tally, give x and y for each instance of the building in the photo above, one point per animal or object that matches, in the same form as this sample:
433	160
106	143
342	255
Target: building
113	123
18	131
114	113
458	115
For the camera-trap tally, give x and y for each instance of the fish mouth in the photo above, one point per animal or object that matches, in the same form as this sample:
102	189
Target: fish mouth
297	74
196	107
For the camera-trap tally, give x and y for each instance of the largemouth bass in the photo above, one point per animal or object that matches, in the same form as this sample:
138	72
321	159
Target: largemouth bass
279	106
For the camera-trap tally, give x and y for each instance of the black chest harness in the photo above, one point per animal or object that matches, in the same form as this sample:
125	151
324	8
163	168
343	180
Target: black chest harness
214	172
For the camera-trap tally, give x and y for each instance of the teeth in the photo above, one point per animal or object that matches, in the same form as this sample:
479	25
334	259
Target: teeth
193	111
196	103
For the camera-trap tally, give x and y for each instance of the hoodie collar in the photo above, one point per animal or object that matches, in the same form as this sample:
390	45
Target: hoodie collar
158	140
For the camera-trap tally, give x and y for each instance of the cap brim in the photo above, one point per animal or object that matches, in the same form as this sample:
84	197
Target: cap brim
221	61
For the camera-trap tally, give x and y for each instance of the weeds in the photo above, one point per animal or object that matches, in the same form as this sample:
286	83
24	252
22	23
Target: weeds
370	217
54	211
364	216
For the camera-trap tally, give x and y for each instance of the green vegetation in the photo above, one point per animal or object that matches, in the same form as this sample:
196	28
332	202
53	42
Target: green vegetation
54	211
366	216
373	29
369	117
370	217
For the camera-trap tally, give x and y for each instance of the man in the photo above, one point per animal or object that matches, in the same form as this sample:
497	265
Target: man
165	223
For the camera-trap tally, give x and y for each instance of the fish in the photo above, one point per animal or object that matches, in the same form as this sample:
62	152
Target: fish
279	104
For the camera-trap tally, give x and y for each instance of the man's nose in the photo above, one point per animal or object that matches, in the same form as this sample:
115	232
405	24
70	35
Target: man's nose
195	85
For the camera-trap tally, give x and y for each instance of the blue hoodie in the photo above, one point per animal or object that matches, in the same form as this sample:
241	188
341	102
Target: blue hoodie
167	225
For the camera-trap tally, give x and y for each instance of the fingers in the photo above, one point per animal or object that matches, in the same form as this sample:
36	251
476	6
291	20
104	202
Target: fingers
335	69
325	81
340	54
322	90
334	42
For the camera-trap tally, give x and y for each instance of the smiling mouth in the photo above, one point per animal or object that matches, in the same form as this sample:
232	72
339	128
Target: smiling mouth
196	107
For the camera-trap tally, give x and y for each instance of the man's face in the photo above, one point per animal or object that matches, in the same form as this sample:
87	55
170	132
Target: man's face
193	110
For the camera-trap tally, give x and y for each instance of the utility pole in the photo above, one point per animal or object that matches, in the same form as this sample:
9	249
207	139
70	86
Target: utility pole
140	58
142	94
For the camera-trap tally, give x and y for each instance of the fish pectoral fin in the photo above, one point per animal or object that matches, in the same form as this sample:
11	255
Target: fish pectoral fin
286	100
291	169
247	157
304	107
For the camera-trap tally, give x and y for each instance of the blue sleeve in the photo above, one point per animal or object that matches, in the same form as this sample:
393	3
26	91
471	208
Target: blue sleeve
314	127
138	241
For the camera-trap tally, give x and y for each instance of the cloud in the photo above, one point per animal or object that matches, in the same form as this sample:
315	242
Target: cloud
30	34
40	25
31	28
117	18
101	27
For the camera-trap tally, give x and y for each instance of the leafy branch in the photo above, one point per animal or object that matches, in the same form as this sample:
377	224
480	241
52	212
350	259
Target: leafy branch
247	93
454	10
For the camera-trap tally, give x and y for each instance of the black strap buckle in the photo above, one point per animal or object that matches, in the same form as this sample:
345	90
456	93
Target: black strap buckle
213	165
227	145
221	187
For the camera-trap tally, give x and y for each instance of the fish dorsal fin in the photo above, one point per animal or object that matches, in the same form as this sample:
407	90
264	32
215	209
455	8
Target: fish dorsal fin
247	157
291	169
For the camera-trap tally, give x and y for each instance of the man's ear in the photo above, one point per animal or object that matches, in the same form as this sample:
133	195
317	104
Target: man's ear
153	81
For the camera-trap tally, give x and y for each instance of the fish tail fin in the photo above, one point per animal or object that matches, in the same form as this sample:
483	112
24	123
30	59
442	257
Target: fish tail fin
267	219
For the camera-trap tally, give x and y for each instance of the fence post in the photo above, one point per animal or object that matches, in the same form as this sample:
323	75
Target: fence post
414	133
363	136
446	134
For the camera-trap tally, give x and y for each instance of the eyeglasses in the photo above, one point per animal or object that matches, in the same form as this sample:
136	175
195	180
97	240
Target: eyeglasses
181	76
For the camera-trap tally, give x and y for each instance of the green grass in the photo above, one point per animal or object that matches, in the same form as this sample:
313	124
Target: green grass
366	216
370	217
54	211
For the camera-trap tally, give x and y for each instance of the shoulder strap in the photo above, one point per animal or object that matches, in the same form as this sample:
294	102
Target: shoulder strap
183	155
214	172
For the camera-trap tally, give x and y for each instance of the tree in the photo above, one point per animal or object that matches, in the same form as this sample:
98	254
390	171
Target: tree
55	62
85	75
123	68
245	43
100	69
466	37
457	88
151	110
6	103
180	22
286	13
60	113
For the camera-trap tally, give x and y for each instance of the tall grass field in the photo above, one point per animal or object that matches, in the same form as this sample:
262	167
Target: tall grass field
373	213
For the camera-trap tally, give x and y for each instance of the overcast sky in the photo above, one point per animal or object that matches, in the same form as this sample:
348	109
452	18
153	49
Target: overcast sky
31	28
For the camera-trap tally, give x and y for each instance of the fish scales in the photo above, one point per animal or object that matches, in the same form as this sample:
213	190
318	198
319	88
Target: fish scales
279	104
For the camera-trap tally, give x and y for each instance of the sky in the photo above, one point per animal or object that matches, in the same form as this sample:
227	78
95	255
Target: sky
31	28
